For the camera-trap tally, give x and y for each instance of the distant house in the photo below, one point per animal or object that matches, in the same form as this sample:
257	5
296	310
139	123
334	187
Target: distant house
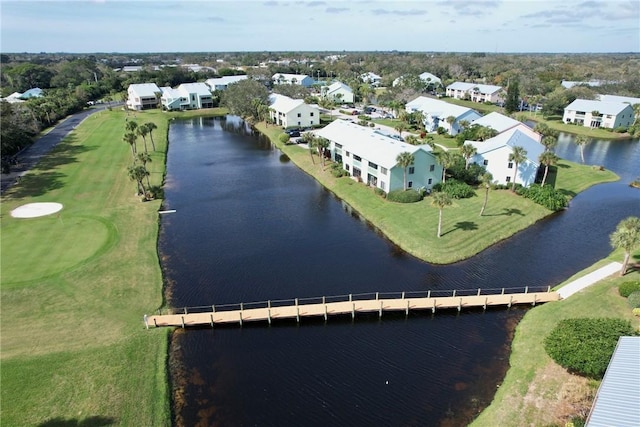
35	92
187	96
338	92
595	114
494	153
427	78
568	84
371	156
476	92
292	79
222	83
496	121
288	112
13	98
436	114
372	78
142	96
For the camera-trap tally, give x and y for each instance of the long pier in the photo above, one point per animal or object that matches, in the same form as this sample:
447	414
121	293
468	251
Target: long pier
346	305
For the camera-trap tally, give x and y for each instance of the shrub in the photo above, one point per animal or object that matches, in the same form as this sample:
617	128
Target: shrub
585	346
441	130
402	196
337	170
627	288
455	189
636	312
634	299
620	129
379	192
284	138
546	196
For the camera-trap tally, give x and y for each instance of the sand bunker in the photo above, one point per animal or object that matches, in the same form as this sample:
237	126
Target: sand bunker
33	210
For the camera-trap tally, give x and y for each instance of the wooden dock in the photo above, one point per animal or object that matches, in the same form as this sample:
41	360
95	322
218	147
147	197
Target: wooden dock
346	305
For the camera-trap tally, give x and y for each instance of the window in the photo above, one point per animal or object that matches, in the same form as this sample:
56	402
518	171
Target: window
373	166
411	170
410	184
485	162
508	179
432	168
311	122
338	145
510	165
193	97
383	170
429	182
358	158
346	166
311	114
382	185
347	154
298	123
299	114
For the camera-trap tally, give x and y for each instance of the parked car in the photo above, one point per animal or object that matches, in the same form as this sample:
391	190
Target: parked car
292	132
355	113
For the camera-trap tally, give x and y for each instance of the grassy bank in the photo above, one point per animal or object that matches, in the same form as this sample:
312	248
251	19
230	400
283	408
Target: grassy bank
465	233
76	284
536	391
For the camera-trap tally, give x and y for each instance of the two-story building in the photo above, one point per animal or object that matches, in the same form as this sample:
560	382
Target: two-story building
187	96
496	121
596	114
288	112
142	96
292	79
222	83
494	153
372	78
338	92
475	92
372	156
437	113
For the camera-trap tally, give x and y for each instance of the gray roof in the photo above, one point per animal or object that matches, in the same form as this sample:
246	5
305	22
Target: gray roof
465	86
496	121
518	136
587	105
616	98
618	400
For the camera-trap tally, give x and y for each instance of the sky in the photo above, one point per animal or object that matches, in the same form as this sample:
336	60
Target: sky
84	26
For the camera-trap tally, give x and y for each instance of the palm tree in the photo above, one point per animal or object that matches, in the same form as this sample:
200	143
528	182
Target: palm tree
131	126
411	139
143	132
138	173
549	142
581	141
400	126
131	138
440	200
145	158
468	151
542	128
627	237
405	160
321	144
151	127
446	159
547	159
309	139
485	179
485	132
517	156
451	120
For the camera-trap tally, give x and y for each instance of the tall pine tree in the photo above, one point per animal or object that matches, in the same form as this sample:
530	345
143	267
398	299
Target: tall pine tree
513	97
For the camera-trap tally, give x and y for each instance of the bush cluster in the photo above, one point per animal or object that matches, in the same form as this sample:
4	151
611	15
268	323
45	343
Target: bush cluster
634	299
546	196
455	189
627	288
337	170
380	192
585	346
404	196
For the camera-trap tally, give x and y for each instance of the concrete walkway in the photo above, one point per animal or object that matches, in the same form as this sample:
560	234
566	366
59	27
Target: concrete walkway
588	280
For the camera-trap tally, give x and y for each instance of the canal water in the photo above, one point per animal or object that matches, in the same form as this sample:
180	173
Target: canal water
250	226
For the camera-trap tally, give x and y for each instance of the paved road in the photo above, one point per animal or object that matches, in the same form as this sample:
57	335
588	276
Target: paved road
31	155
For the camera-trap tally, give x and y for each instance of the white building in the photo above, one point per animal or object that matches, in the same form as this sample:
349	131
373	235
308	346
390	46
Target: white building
187	96
436	113
427	78
498	122
595	114
222	83
372	78
494	153
338	92
475	91
288	112
371	156
292	79
142	96
616	98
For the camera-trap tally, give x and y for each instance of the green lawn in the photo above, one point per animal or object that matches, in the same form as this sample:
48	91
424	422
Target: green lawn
75	285
413	226
536	391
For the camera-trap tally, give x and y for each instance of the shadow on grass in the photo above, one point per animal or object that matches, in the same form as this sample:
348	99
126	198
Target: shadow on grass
507	212
464	226
95	421
64	153
567	193
36	184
